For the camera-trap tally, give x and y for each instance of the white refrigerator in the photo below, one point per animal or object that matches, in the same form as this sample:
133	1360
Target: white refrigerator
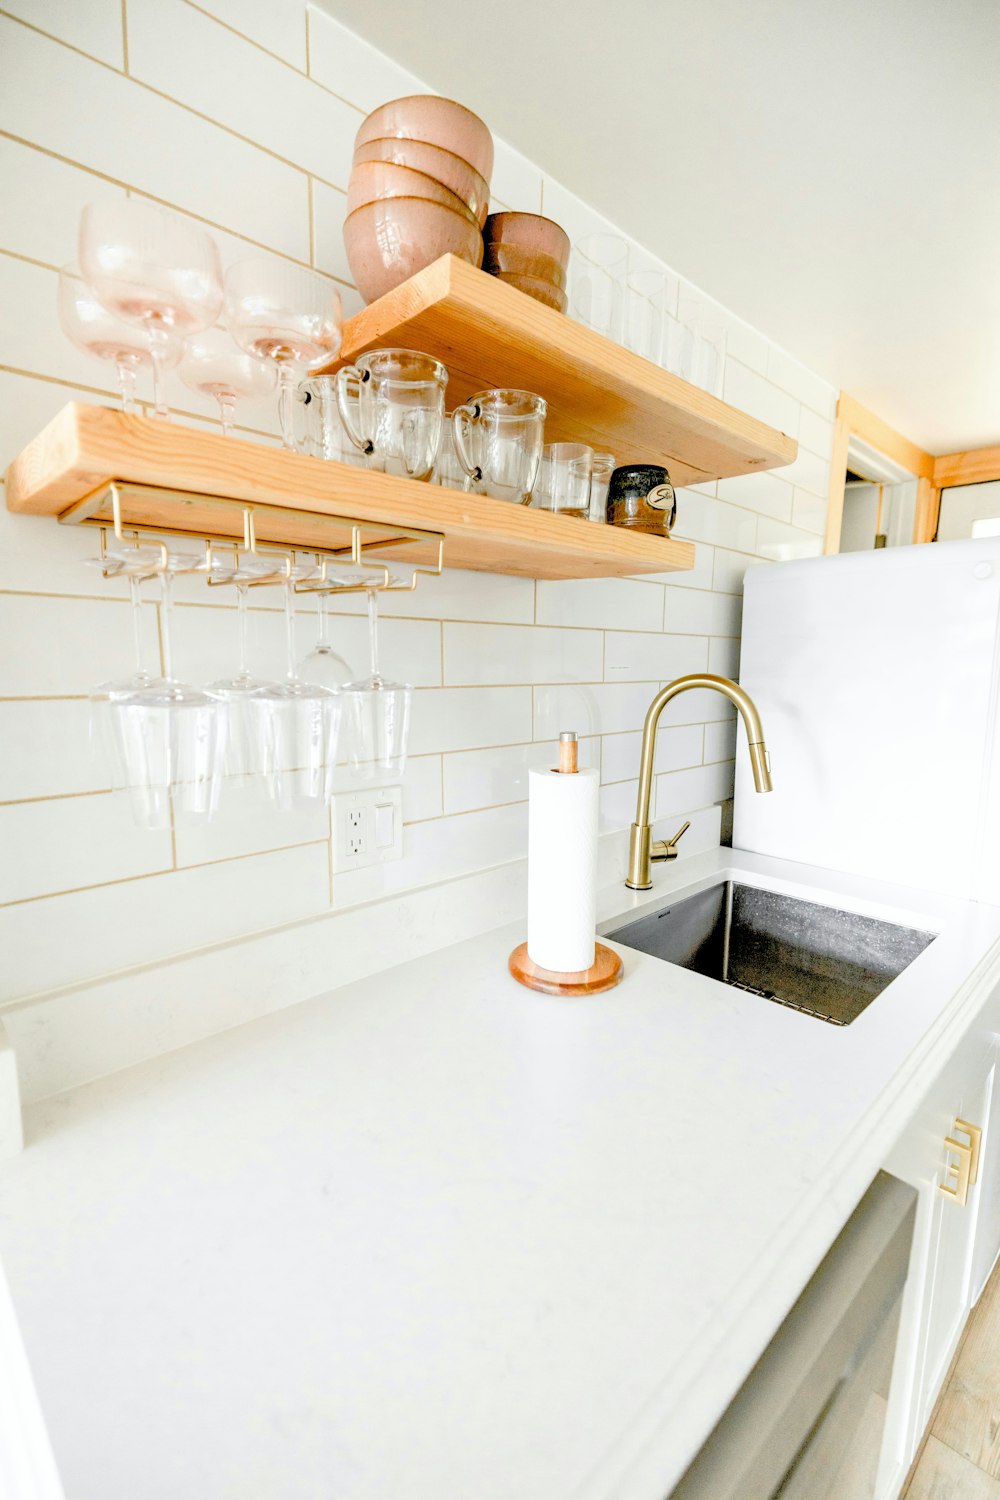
876	675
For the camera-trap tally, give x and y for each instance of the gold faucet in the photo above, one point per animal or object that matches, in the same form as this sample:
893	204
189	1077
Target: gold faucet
643	849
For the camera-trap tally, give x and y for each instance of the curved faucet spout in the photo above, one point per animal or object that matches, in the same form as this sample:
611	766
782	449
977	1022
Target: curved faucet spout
643	850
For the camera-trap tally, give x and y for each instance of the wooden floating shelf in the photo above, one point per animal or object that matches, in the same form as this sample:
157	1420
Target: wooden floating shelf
201	480
489	334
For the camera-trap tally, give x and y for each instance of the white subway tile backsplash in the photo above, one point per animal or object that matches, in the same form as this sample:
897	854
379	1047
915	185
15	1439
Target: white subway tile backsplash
141	921
181	52
676	747
469	717
780	543
706	519
278	25
47	750
648	658
439	850
32	339
603	603
810	472
809	512
678	791
480	654
600	708
801	383
720	741
456	595
422	781
354	69
95	118
329	211
249	823
44	199
65	647
699	612
68	842
767	494
93	26
816	433
724	657
763	399
487	778
747	345
730	568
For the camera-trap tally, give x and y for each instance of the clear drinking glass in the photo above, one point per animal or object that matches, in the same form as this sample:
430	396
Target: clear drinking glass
214	366
98	332
448	468
597	282
322	664
644	311
601	469
287	314
563	482
498	439
168	737
377	715
400	409
250	735
306	720
154	269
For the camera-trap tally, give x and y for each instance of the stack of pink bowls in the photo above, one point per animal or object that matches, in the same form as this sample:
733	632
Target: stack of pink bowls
529	252
419	189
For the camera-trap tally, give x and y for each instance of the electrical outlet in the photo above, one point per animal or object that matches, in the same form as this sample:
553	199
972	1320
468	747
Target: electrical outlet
367	827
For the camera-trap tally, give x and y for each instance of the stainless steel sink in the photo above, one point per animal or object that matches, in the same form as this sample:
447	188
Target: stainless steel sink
829	963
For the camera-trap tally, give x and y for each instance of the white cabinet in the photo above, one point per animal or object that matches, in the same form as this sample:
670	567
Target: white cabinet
947	1253
987	1243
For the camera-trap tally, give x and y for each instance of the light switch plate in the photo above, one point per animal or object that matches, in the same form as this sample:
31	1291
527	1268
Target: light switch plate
367	827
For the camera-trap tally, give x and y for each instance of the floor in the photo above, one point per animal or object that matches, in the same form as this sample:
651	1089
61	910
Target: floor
961	1457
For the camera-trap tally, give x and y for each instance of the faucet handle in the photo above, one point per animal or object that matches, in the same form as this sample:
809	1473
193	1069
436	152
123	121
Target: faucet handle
667	848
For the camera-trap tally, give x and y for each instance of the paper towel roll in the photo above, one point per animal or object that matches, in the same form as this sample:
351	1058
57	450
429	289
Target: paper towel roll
562	869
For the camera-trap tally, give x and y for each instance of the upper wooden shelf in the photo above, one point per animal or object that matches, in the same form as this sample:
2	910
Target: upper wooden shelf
490	335
200	481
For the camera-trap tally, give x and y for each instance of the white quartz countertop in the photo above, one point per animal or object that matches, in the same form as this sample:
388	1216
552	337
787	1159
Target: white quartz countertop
432	1236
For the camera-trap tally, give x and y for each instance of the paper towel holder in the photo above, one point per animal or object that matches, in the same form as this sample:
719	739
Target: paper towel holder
605	972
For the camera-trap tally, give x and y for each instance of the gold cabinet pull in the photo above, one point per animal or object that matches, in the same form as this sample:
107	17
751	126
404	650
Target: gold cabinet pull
960	1170
975	1135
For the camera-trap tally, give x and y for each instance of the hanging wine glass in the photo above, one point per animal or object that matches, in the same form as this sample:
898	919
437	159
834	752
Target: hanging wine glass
250	732
287	314
305	718
100	333
376	713
154	269
322	664
171	736
213	366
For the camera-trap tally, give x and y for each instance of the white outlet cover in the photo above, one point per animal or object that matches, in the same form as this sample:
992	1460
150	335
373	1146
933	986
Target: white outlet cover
361	821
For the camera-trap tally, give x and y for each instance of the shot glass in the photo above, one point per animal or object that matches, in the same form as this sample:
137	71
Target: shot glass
564	477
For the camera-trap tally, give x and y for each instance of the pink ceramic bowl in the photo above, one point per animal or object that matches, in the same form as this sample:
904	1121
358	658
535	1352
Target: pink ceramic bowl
542	291
517	261
531	232
445	166
442	122
372	180
394	238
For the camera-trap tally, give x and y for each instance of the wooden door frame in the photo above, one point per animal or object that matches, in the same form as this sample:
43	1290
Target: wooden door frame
856	421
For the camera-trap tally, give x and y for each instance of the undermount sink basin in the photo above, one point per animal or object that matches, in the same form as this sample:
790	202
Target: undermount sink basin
828	963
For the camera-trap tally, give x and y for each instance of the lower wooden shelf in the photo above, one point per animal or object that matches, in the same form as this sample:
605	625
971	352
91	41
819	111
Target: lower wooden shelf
202	480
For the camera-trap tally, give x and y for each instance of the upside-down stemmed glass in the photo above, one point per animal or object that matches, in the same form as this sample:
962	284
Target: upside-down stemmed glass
98	332
287	314
322	664
213	365
154	269
376	713
305	717
250	732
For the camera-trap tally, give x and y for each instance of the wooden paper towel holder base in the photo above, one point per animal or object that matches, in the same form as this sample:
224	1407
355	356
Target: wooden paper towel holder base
604	973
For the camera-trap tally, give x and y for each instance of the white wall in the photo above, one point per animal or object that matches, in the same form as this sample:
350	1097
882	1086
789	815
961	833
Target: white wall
242	113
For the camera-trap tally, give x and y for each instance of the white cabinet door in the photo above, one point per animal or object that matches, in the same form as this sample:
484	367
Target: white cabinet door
987	1243
939	1289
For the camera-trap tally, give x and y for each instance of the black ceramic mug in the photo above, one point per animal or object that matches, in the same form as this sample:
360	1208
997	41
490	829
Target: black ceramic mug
640	496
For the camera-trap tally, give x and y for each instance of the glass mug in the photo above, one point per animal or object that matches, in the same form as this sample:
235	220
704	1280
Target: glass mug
564	477
498	441
319	432
391	403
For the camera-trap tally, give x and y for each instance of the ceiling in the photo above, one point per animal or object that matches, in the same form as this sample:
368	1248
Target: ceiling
828	171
